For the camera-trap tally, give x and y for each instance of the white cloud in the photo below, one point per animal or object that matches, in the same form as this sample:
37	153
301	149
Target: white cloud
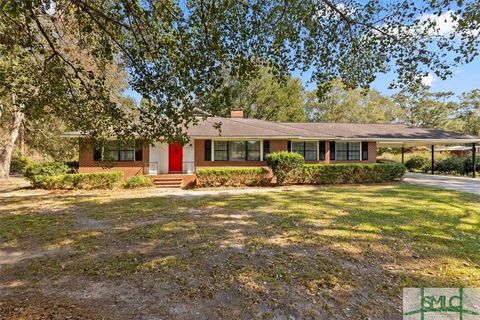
341	7
50	7
444	23
428	80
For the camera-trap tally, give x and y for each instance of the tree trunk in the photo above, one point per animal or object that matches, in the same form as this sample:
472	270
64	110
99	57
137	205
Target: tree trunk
6	152
21	138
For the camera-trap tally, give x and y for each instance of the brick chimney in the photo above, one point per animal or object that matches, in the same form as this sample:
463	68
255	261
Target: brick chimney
236	114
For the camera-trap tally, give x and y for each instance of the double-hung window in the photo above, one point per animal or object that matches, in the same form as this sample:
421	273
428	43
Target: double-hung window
220	149
115	151
348	150
253	150
308	149
236	150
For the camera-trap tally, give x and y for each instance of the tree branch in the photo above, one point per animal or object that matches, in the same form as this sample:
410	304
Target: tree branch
351	21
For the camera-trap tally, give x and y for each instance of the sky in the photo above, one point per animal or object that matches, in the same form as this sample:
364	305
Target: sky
464	78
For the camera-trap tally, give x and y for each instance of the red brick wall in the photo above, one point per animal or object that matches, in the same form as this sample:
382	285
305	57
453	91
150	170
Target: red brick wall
132	168
129	168
372	151
275	145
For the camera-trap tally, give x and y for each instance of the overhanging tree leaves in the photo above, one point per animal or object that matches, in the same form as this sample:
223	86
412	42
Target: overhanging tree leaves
423	108
177	52
265	97
351	106
469	112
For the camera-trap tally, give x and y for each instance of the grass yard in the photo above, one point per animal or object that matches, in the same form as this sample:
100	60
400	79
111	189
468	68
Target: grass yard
302	253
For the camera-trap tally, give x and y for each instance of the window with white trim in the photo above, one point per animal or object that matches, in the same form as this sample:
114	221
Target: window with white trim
253	150
237	151
116	151
240	150
308	149
220	150
347	150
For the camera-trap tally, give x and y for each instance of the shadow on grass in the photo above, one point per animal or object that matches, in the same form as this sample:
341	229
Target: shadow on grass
300	253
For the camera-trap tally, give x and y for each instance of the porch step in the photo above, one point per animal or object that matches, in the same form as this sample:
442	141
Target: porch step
168	182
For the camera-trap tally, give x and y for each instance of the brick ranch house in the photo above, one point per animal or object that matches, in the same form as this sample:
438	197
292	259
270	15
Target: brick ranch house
245	142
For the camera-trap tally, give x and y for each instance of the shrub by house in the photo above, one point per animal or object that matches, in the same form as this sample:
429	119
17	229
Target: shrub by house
137	182
283	164
352	173
37	173
94	180
216	177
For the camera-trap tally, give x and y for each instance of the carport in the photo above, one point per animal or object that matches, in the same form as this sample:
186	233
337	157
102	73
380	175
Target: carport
431	142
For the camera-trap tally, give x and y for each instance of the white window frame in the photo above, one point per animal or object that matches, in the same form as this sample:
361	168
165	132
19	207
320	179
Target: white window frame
105	148
317	153
212	151
336	150
261	150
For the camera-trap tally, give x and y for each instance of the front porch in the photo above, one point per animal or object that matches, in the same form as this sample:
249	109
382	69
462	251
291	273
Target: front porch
170	158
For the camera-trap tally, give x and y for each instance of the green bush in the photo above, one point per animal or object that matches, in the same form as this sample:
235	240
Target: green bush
137	182
450	165
94	180
416	163
36	173
215	177
352	173
468	164
72	166
284	163
18	164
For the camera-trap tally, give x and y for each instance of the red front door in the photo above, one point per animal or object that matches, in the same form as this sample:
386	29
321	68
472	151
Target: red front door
175	157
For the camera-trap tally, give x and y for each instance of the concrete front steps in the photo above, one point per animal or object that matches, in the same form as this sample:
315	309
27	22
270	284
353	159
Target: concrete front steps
165	182
173	180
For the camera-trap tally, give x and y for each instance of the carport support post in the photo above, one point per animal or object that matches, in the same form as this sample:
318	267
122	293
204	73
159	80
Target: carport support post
403	155
474	156
433	159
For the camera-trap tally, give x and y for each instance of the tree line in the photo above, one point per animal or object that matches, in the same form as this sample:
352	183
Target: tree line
266	98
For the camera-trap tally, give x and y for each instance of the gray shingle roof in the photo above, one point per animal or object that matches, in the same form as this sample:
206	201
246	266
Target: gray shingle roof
255	128
238	127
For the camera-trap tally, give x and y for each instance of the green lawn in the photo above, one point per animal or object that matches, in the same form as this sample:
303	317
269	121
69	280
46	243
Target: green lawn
308	253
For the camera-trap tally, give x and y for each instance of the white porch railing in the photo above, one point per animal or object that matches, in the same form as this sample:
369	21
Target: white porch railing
152	168
188	167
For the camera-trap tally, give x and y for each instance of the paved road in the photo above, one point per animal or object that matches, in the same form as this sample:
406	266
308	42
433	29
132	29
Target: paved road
448	182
